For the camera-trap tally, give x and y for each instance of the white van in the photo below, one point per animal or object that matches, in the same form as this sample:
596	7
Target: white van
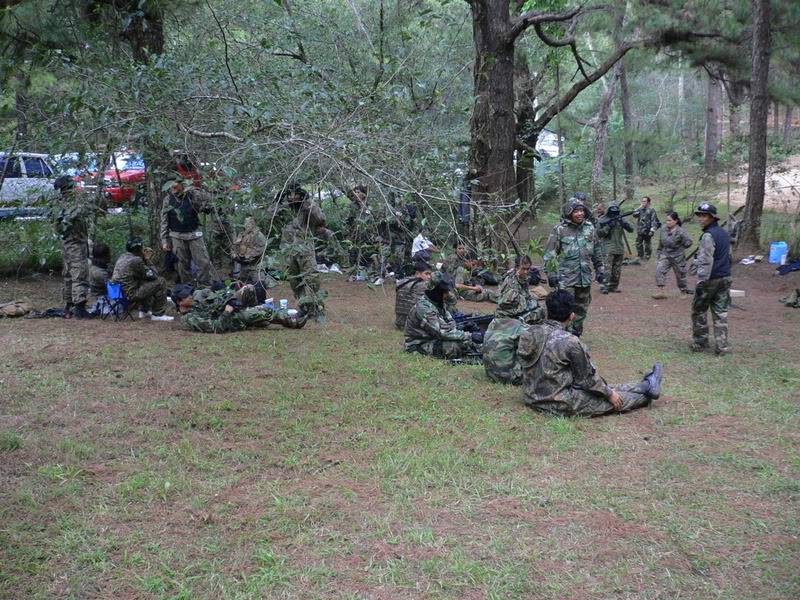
27	178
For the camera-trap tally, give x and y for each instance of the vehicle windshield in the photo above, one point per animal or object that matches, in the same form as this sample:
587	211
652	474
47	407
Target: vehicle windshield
128	162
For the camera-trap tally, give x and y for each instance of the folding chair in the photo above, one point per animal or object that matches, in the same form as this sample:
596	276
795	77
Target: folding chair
119	304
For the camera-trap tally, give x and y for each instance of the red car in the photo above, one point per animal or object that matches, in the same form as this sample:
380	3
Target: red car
126	174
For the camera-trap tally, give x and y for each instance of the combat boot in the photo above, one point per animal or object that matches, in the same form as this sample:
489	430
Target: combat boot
80	311
297	321
654	379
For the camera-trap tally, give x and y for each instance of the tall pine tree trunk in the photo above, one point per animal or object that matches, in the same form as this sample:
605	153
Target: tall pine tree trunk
713	120
750	240
627	121
601	134
493	124
787	126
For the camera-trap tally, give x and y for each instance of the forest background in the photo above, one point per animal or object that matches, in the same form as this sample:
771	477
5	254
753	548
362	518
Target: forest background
415	98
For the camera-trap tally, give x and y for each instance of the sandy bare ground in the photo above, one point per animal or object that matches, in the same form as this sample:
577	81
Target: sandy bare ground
782	190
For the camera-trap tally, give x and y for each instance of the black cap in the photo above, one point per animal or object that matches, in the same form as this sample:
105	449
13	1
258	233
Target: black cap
614	208
707	209
182	291
135	244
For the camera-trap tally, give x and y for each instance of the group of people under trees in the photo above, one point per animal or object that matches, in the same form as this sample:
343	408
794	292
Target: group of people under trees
539	346
533	339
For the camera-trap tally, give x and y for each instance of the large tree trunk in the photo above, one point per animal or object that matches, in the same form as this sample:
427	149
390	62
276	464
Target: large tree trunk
713	120
787	126
776	117
759	112
627	121
601	134
493	127
144	29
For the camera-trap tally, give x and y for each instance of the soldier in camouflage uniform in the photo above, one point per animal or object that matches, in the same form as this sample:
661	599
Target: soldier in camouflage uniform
99	271
611	229
645	229
226	310
297	247
221	239
460	267
73	217
559	377
249	249
500	350
672	245
713	287
514	300
180	232
140	282
570	253
430	328
409	290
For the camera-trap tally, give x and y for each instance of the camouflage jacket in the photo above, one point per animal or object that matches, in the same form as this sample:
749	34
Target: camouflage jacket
673	242
555	365
73	217
131	271
612	236
407	293
514	301
453	264
307	222
500	351
572	250
98	276
426	323
251	244
647	221
208	315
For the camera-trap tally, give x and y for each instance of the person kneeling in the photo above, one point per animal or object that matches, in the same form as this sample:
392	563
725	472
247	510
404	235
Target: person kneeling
140	282
226	310
430	329
559	377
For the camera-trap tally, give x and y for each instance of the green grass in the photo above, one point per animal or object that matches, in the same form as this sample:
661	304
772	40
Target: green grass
328	464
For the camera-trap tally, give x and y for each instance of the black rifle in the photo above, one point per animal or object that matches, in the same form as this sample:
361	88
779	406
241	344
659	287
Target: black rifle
472	323
608	220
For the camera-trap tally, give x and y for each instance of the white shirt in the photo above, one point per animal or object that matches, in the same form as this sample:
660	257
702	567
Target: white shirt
420	243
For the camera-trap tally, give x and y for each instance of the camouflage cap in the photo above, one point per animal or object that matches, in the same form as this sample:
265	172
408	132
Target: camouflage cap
441	280
573	205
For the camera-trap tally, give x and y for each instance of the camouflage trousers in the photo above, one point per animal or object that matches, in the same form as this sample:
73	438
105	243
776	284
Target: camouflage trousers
613	271
150	295
580	403
254	273
713	295
301	271
677	264
195	250
583	298
644	247
486	295
75	273
443	348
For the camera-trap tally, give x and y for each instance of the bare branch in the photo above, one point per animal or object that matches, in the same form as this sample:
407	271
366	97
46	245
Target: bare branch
212	134
533	18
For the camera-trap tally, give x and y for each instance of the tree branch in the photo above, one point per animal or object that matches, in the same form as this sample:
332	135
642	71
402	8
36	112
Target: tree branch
533	18
212	134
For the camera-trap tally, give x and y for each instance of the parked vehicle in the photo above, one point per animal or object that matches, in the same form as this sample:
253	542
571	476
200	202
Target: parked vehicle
123	177
27	178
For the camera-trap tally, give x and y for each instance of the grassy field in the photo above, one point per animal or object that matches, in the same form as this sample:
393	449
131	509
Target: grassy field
142	461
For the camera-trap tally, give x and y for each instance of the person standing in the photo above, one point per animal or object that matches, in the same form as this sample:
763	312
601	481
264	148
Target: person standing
713	289
297	247
571	252
73	215
646	228
611	229
672	245
249	249
181	232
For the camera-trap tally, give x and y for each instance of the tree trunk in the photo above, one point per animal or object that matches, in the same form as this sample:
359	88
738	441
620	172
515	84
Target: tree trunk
750	239
601	134
144	29
713	120
21	110
525	96
776	117
787	126
627	120
493	127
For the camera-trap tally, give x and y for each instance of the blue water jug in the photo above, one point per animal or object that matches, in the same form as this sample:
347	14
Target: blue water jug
777	250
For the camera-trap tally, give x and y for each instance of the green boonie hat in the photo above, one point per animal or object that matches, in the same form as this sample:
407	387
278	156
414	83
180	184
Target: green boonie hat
441	280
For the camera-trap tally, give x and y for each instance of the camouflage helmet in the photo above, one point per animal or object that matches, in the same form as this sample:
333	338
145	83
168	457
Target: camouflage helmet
442	281
573	205
707	209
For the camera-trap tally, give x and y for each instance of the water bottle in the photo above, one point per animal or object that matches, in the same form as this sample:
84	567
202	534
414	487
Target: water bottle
284	304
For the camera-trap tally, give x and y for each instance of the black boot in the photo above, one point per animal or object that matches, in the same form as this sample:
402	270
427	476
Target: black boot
297	321
68	310
80	311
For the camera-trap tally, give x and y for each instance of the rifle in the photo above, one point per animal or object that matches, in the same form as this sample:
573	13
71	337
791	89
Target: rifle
472	323
608	220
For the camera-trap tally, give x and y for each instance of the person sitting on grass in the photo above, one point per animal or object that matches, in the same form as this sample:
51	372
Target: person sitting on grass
559	377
